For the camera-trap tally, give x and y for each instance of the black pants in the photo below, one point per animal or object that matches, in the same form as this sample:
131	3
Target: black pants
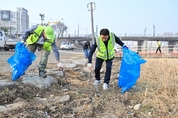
98	65
159	48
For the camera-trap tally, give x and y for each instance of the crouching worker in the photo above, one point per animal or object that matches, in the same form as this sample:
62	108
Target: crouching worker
41	38
104	45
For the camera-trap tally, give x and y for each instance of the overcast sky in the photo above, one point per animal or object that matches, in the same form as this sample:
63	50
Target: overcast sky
119	16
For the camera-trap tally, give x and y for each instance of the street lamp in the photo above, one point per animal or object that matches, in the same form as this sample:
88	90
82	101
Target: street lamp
145	31
86	32
42	18
153	30
78	29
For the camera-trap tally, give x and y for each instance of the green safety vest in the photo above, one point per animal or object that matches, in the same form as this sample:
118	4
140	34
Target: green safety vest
33	38
103	52
47	44
159	44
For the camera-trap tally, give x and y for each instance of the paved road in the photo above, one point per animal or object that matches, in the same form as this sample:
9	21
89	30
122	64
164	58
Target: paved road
4	55
72	51
64	54
2	52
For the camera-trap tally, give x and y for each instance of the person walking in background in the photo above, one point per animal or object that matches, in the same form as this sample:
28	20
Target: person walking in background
86	49
158	46
40	37
104	46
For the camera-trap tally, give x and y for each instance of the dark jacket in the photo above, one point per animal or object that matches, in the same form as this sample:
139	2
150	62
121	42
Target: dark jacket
94	46
86	45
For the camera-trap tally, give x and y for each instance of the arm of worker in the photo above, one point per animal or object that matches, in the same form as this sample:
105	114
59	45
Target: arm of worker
28	32
92	50
56	52
118	41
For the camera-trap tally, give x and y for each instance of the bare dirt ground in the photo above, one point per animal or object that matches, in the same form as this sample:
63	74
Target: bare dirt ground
156	90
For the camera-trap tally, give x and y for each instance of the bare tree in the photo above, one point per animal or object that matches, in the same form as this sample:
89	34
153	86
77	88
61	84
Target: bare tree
5	29
61	28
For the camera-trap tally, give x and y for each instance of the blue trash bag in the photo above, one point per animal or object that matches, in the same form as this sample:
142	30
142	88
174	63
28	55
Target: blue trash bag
129	70
20	61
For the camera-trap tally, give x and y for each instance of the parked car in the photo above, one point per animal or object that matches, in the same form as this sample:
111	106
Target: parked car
66	46
6	43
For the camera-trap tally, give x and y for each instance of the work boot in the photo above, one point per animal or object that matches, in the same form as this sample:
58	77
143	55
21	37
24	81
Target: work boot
42	74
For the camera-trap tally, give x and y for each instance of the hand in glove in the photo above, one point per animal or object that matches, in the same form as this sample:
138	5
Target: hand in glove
22	41
60	65
89	65
124	46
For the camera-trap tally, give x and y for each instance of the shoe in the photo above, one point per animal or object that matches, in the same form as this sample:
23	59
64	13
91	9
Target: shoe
42	74
97	82
105	86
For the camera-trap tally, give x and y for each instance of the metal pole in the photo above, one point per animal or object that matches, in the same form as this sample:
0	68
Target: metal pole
153	30
91	8
146	40
78	29
86	32
42	18
96	30
145	32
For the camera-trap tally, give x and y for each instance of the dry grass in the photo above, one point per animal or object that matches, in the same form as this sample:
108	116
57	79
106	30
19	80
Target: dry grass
156	90
159	83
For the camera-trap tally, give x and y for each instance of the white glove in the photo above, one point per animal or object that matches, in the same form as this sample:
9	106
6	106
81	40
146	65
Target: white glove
22	42
60	65
101	70
125	46
89	65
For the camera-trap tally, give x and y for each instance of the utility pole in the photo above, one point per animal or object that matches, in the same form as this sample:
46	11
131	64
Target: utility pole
42	18
146	40
91	7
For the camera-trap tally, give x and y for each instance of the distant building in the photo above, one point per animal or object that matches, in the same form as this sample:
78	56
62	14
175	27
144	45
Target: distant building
16	21
168	34
176	34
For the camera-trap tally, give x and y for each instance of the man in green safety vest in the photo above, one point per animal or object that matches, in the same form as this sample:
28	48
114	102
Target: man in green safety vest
158	46
40	37
104	46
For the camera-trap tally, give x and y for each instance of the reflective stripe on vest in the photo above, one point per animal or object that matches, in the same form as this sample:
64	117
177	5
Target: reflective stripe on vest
47	44
102	52
35	36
